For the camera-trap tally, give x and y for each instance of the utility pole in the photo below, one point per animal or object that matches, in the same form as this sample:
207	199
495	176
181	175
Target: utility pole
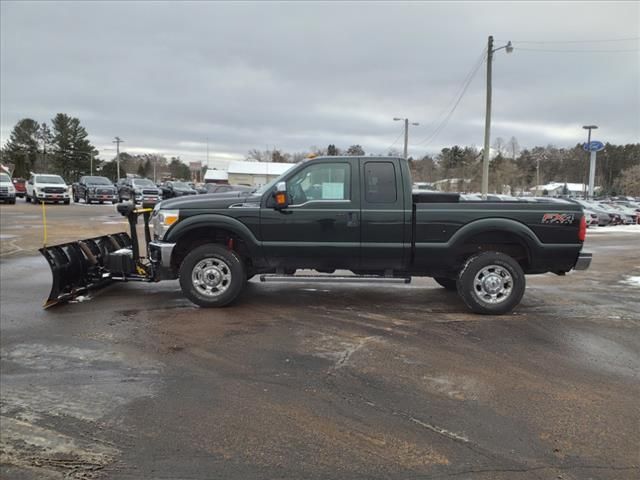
592	159
487	123
207	152
406	133
487	120
118	141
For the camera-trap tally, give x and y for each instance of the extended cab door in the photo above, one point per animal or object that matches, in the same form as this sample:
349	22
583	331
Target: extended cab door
321	227
383	215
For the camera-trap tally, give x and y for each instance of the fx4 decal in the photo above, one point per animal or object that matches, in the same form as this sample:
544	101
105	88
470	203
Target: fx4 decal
558	218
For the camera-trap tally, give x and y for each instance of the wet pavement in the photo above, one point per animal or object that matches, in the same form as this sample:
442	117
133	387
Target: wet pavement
322	381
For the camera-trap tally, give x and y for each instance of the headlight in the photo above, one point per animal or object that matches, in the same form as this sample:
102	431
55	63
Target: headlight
92	189
137	191
162	220
12	189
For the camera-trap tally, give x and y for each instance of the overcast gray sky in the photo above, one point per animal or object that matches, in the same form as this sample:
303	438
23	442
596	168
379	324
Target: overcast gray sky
167	76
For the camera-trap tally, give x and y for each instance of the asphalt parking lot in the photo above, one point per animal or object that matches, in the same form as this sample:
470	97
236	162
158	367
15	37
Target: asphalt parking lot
316	380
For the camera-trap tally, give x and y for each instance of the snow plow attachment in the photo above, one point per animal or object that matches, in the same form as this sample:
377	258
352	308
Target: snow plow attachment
77	267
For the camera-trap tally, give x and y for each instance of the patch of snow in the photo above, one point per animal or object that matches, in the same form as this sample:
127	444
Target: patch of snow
615	229
80	299
633	281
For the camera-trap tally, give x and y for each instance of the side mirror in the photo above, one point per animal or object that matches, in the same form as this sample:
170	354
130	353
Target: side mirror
280	195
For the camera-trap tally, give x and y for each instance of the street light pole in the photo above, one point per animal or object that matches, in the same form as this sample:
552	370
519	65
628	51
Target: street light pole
406	133
118	141
487	120
592	159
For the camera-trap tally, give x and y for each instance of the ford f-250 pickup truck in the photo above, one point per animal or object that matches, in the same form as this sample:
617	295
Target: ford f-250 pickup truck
333	214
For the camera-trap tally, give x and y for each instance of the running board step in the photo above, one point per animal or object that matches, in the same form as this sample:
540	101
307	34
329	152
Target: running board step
332	278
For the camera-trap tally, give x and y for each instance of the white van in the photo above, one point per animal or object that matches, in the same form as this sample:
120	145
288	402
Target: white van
47	188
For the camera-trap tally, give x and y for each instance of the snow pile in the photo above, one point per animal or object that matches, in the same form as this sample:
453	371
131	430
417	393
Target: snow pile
633	281
615	229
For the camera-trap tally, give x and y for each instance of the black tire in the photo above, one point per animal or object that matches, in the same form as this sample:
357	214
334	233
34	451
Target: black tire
12	201
67	201
448	283
76	199
27	199
224	262
502	294
86	199
113	202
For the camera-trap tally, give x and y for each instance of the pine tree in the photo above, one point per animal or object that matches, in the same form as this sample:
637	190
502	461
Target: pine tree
22	147
72	150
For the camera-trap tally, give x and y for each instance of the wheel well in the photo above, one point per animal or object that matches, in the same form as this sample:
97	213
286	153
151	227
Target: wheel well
497	241
203	235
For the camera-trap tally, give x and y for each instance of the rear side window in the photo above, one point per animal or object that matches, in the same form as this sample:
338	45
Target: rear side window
380	182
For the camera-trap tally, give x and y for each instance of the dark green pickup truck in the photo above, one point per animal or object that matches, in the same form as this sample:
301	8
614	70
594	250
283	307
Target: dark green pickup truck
360	215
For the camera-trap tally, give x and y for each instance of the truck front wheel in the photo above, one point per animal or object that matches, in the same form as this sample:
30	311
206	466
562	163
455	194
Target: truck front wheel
212	275
491	283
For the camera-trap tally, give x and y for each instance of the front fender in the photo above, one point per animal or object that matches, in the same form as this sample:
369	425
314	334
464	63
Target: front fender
209	220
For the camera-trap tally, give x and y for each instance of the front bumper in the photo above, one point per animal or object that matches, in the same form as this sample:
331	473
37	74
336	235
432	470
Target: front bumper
7	196
160	253
583	262
52	196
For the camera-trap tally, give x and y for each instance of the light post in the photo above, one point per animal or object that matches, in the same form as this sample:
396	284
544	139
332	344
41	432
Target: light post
118	141
487	121
406	132
592	159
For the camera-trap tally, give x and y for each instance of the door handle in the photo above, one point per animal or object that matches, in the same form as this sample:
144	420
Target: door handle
352	219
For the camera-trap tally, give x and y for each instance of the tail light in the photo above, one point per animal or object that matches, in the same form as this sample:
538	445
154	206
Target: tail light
582	231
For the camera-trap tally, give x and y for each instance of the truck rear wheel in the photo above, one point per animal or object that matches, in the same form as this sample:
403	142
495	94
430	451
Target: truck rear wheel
448	283
212	275
491	283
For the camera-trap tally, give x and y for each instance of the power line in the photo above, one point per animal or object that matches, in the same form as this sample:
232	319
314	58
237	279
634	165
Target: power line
576	51
470	76
607	40
397	138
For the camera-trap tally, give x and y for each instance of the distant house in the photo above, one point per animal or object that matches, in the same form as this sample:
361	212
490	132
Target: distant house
216	176
556	189
255	174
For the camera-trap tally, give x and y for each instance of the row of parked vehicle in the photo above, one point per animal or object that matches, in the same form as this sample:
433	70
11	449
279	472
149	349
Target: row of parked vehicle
601	212
93	188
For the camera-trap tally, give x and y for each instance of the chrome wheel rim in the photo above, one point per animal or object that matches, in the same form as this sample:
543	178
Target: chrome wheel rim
493	284
211	277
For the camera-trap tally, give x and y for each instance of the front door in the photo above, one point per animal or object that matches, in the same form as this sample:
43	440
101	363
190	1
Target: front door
321	227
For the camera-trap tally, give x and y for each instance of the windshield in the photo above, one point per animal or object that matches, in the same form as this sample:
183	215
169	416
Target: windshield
50	179
181	185
97	181
143	182
4	178
269	185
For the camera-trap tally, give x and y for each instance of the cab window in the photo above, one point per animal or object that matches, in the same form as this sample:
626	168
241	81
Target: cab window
380	182
320	182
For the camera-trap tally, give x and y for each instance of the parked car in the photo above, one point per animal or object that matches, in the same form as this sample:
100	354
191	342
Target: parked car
7	189
138	190
591	217
223	188
47	188
174	189
20	185
604	217
92	188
